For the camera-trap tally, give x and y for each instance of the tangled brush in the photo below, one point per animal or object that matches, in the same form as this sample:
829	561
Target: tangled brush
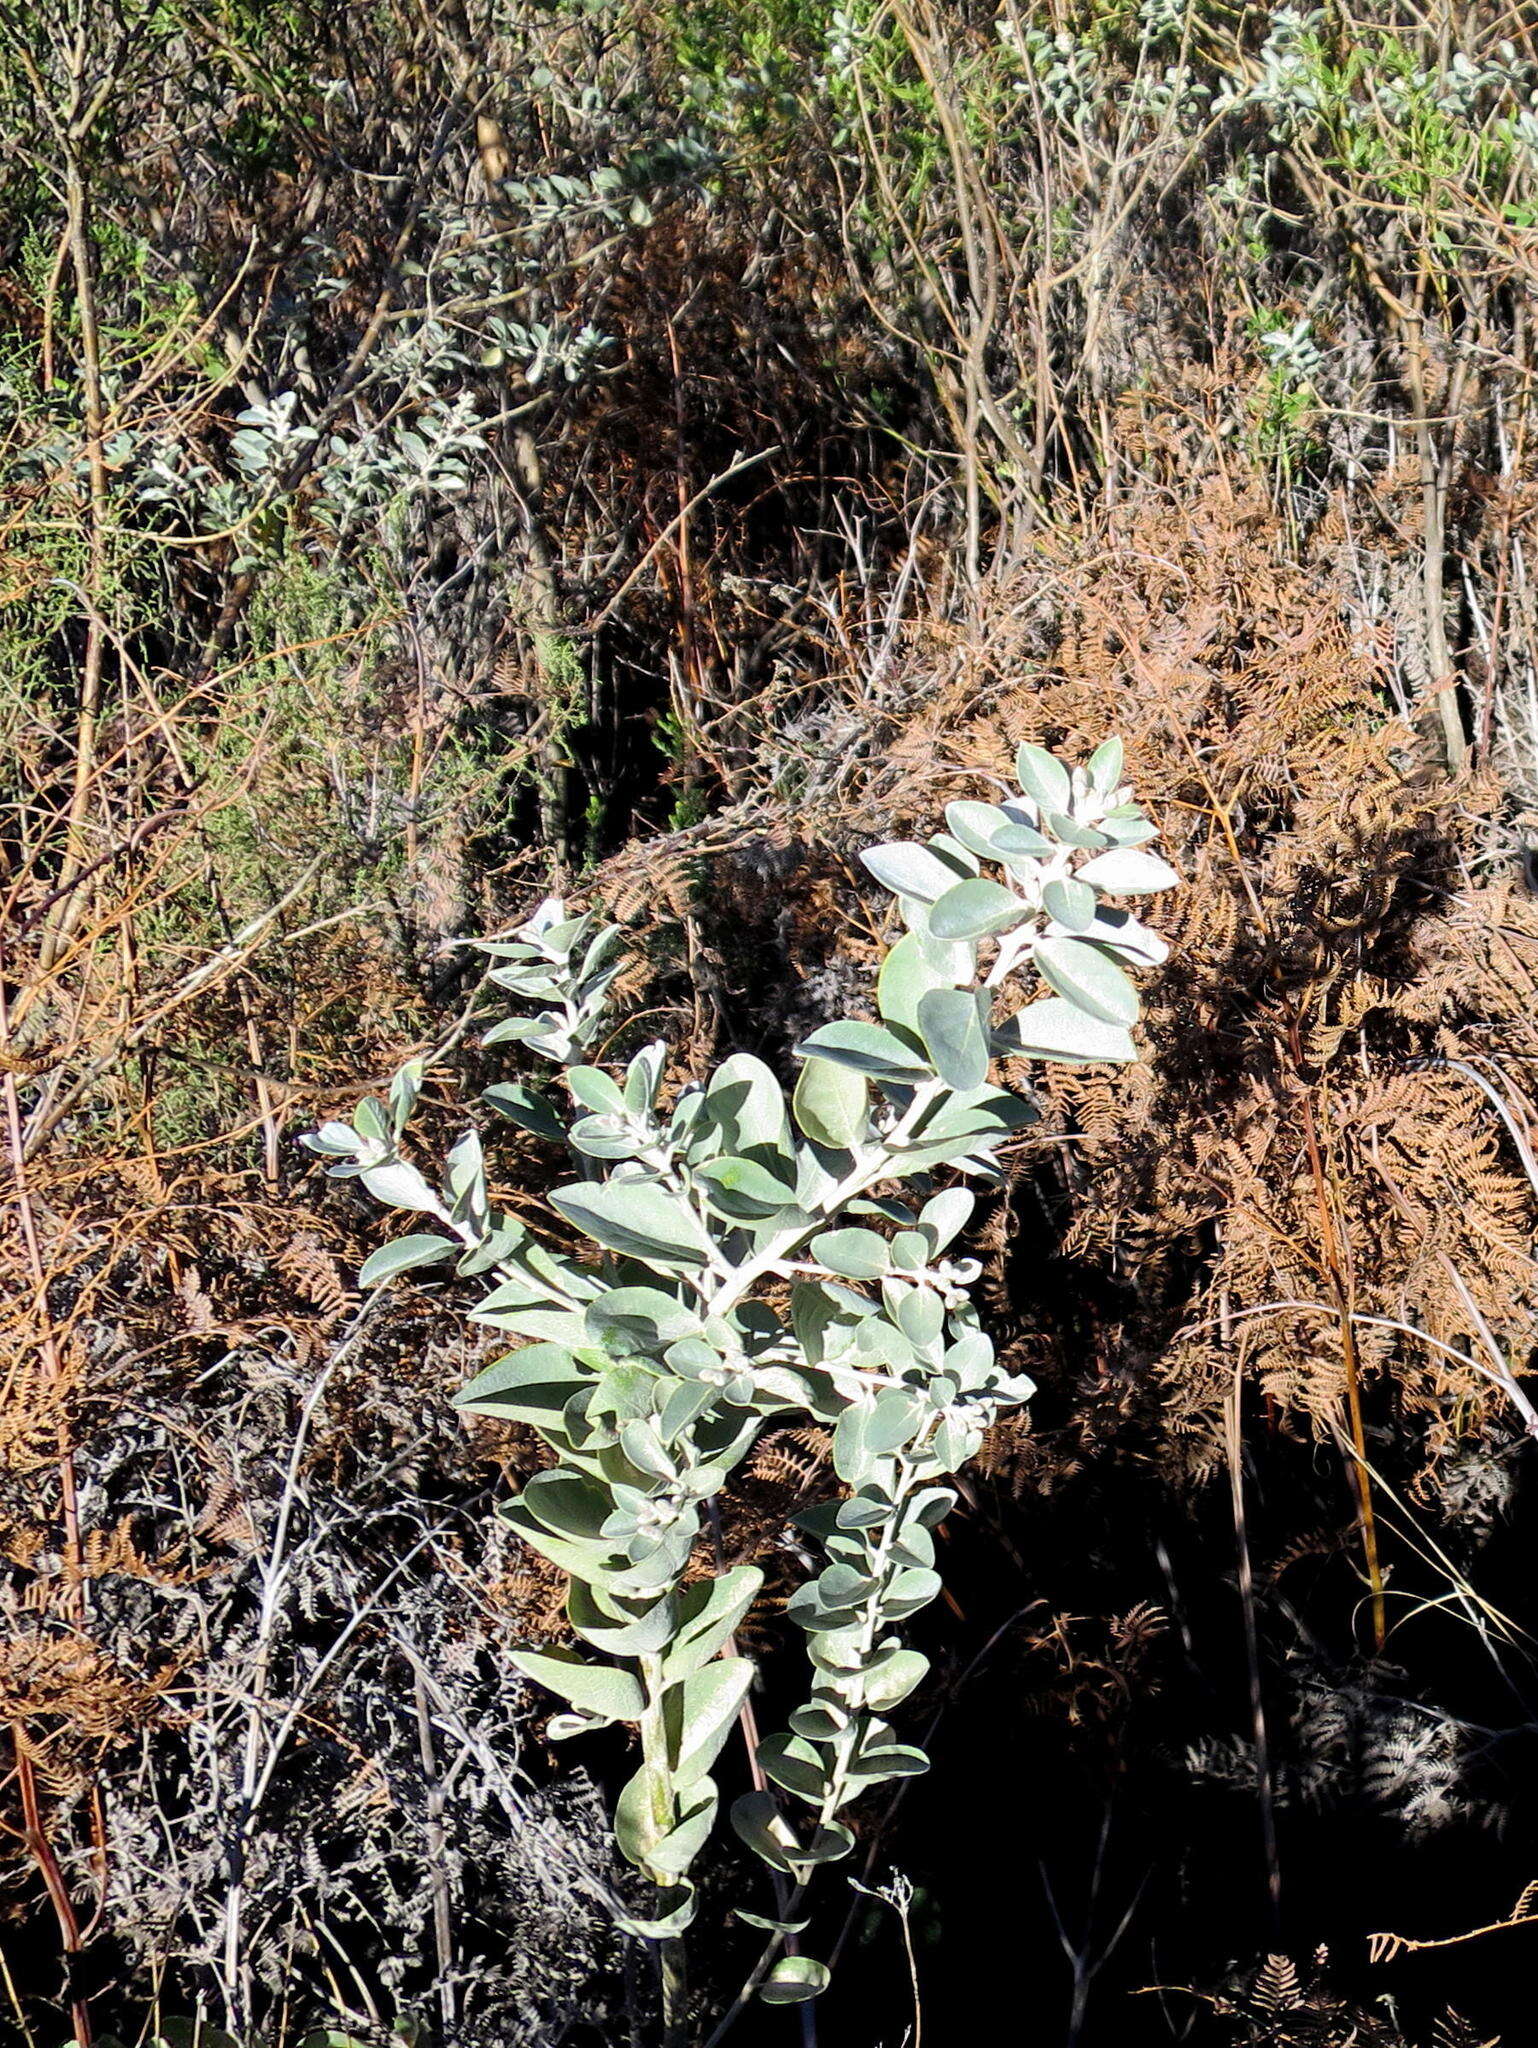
1318	1183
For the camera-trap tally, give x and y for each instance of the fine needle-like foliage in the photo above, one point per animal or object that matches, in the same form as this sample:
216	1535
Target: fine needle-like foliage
752	1262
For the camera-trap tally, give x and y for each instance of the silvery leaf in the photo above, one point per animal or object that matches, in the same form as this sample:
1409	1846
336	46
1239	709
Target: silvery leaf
909	870
637	1218
1042	777
1125	871
1089	978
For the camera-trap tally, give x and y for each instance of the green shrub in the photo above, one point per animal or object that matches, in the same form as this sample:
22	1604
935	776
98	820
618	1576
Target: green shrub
752	1264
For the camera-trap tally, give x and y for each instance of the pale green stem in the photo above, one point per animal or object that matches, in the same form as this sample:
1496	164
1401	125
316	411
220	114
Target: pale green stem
828	1811
671	1954
871	1165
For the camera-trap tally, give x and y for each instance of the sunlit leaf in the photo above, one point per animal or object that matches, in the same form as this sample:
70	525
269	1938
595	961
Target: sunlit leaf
1054	1029
636	1217
831	1104
975	909
423	1249
1042	776
600	1689
909	870
1089	979
1125	871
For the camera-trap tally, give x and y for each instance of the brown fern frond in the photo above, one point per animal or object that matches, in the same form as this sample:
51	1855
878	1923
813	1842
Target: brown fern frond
1277	1988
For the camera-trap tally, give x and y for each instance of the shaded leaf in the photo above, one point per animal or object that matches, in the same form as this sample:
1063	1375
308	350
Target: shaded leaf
527	1108
951	1022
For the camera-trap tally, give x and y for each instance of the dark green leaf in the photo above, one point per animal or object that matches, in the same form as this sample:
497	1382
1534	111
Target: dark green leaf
527	1108
758	1822
791	1763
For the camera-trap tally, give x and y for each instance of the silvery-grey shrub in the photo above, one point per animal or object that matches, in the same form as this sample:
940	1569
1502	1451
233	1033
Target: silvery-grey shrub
749	1259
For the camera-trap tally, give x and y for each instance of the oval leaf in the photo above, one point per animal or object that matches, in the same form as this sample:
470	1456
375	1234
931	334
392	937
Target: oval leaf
1126	871
423	1249
741	1188
976	825
1056	1030
793	1980
943	1215
699	1712
909	971
1089	979
831	1104
1071	903
599	1689
626	1320
909	870
1105	765
868	1048
637	1218
527	1108
951	1023
854	1254
1043	778
976	908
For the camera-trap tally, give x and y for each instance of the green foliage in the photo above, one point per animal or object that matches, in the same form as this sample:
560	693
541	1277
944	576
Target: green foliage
749	1269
